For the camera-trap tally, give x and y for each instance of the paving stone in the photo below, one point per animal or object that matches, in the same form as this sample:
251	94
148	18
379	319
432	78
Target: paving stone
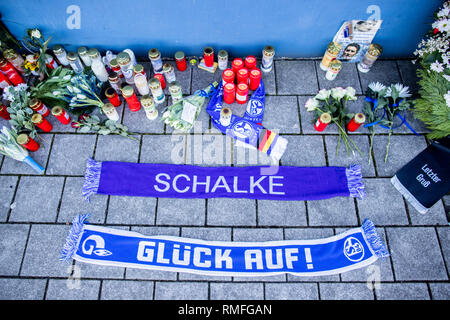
202	79
211	234
12	166
58	290
296	77
22	289
231	212
281	114
281	213
37	199
403	291
43	252
163	149
12	246
88	270
236	291
415	254
259	235
384	71
291	291
127	290
401	151
270	85
69	154
73	202
144	274
342	159
345	291
58	127
305	151
383	204
381	267
347	77
108	146
181	290
7	189
337	211
307	119
174	211
444	240
309	234
440	291
243	156
408	73
137	122
131	210
209	150
435	216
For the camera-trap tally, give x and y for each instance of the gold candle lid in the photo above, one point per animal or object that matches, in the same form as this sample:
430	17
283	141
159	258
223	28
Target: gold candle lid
147	101
179	55
269	50
167	67
22	138
57	110
108	108
93	53
208	51
360	118
72	56
154	83
138	68
110	92
325	118
225	112
127	91
334	47
153	53
222	54
37	118
34	103
58	49
114	63
82	51
375	49
335	65
123	58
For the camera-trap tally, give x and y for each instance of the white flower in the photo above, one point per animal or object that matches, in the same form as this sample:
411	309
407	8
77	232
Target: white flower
36	34
166	114
67	77
323	94
402	91
437	66
377	86
447	77
311	104
443	12
447	98
81	96
338	93
350	93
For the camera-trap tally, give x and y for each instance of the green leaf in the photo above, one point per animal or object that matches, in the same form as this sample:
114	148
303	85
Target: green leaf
85	129
104	131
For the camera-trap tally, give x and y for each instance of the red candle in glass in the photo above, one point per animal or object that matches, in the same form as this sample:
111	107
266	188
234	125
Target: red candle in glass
227	76
229	92
113	97
356	122
180	60
27	142
322	122
10	72
61	115
161	79
208	56
39	107
41	122
255	79
237	64
130	96
4	81
4	113
250	62
241	93
242	76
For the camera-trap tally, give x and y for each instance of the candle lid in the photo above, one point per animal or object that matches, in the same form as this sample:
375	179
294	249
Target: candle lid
147	101
57	110
72	56
82	51
179	55
37	118
360	118
225	111
375	49
22	138
222	54
325	117
153	53
269	50
113	76
33	103
334	47
154	83
9	54
167	67
57	49
93	53
107	107
138	68
208	51
110	92
123	58
127	91
335	65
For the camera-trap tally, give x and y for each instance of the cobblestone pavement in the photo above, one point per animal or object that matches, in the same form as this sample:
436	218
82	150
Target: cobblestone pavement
35	211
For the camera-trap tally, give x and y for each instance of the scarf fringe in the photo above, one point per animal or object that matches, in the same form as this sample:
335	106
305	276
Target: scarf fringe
91	178
374	240
354	181
71	245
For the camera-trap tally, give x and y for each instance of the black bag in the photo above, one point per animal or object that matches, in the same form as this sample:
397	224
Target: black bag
426	178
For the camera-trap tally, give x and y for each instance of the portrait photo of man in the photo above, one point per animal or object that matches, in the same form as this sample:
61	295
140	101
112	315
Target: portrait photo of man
350	51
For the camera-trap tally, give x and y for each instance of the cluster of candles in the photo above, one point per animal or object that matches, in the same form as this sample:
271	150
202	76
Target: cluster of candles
353	125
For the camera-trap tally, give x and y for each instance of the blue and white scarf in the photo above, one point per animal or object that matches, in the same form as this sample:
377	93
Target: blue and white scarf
347	251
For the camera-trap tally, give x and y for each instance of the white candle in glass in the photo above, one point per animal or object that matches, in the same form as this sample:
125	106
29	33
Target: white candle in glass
110	112
99	70
141	84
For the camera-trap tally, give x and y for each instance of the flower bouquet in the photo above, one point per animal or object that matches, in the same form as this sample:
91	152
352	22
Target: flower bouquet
19	110
182	114
433	105
35	42
385	104
10	148
334	102
93	123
